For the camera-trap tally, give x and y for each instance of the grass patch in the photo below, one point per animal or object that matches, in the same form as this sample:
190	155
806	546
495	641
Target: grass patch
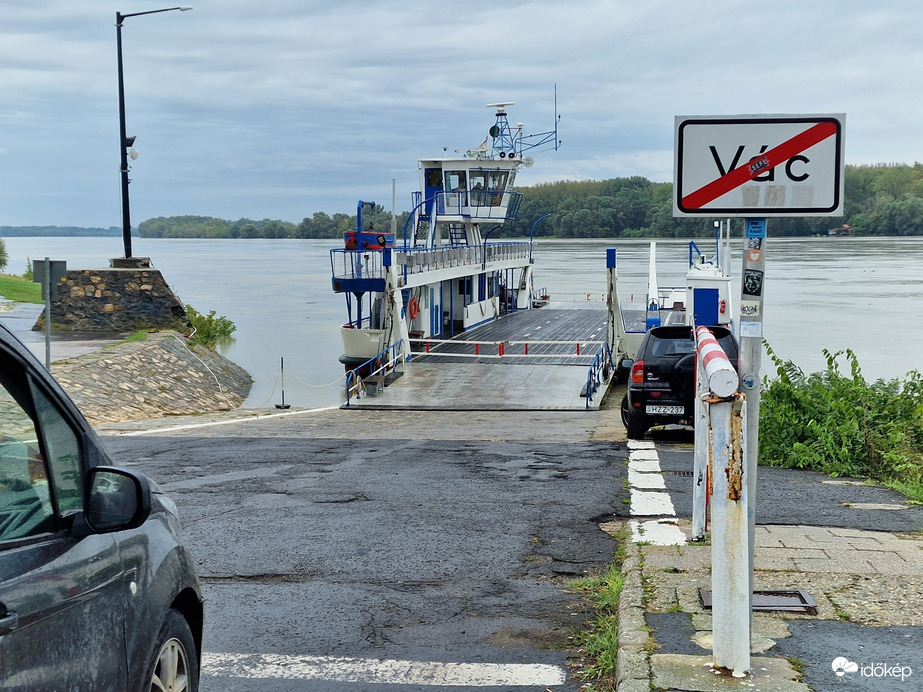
139	335
599	641
20	289
840	613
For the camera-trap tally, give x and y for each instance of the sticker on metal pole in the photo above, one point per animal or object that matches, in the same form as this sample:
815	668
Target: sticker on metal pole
759	165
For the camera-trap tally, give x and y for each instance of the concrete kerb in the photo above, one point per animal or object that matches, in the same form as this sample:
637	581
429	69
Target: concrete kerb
633	671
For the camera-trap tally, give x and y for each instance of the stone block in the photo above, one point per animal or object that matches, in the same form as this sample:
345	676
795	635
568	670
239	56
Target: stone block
116	300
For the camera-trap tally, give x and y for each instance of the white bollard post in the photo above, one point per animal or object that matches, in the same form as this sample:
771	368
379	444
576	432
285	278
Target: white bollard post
700	457
730	543
714	373
726	419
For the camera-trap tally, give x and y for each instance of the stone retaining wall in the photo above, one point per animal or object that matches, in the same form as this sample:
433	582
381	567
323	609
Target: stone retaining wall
115	300
160	376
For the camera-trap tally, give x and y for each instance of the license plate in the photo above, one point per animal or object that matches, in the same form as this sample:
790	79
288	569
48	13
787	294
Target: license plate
669	410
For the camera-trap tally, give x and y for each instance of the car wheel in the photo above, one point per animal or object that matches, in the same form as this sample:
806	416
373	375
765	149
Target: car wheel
175	667
634	425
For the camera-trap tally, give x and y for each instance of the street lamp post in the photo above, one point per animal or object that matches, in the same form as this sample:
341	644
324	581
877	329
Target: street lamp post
125	141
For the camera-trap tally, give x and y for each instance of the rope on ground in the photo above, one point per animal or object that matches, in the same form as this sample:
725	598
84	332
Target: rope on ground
317	386
272	394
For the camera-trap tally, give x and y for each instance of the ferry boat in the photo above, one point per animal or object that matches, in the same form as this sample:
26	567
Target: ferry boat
442	275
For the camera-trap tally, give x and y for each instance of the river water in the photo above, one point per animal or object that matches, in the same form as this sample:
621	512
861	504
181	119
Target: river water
865	294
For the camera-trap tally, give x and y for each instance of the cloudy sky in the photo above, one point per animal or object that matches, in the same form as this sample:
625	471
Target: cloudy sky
281	108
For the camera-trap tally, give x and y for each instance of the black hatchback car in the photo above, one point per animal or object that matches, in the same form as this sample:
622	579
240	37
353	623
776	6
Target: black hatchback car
96	590
661	385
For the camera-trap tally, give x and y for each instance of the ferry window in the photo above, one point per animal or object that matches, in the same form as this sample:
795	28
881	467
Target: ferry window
433	177
498	180
497	187
456	181
479	188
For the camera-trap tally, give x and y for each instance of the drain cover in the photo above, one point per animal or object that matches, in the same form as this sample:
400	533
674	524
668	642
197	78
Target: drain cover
798	601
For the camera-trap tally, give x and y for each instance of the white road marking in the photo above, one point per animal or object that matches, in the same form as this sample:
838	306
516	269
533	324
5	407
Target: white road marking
649	498
641	444
644	466
646	481
651	504
228	421
382	672
645	455
657	532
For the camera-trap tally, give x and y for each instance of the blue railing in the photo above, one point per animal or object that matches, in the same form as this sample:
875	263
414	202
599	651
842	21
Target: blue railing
418	260
364	270
378	366
356	264
600	371
478	204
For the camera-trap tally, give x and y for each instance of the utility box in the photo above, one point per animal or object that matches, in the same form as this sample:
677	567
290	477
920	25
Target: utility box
55	269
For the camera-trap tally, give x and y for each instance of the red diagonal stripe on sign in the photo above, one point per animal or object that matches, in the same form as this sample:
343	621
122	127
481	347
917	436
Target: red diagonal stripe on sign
758	166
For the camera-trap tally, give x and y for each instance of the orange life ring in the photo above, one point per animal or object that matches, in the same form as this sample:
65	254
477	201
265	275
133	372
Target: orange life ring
413	308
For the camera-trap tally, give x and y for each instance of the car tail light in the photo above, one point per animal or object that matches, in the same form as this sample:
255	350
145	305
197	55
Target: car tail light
637	372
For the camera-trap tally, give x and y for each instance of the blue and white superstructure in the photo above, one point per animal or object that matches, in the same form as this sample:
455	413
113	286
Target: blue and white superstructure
441	275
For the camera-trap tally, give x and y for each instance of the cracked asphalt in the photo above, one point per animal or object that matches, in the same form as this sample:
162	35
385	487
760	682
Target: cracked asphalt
314	541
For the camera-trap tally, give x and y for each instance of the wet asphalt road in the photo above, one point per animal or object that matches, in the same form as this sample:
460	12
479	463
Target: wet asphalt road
445	550
409	550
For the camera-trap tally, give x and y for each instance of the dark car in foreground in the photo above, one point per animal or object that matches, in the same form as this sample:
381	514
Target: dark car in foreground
661	383
96	590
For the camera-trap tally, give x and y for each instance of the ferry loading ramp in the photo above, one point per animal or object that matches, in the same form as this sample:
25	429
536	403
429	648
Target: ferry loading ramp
545	363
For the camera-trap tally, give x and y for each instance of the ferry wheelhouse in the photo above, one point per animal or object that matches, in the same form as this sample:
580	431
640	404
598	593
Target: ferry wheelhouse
442	275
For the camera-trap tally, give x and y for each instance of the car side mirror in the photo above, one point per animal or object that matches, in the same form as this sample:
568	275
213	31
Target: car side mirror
627	363
117	499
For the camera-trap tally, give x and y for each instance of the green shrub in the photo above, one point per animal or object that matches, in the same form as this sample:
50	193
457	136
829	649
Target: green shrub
210	328
843	425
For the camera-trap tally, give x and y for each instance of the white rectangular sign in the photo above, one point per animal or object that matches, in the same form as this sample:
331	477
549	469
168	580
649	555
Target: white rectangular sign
758	165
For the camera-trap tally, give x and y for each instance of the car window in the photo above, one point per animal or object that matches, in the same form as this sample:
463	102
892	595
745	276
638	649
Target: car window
63	449
672	347
25	501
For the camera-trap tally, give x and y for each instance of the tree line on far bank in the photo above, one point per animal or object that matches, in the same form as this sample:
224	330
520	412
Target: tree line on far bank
881	199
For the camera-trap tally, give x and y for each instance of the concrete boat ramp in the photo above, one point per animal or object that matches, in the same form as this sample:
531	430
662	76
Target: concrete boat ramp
531	360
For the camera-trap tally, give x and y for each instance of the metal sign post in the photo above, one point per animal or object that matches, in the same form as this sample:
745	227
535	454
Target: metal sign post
49	273
751	352
46	289
754	167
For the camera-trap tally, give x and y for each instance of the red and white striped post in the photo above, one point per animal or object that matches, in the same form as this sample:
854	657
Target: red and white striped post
725	437
720	375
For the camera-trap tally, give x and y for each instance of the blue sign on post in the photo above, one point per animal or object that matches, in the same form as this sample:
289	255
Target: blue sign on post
756	228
